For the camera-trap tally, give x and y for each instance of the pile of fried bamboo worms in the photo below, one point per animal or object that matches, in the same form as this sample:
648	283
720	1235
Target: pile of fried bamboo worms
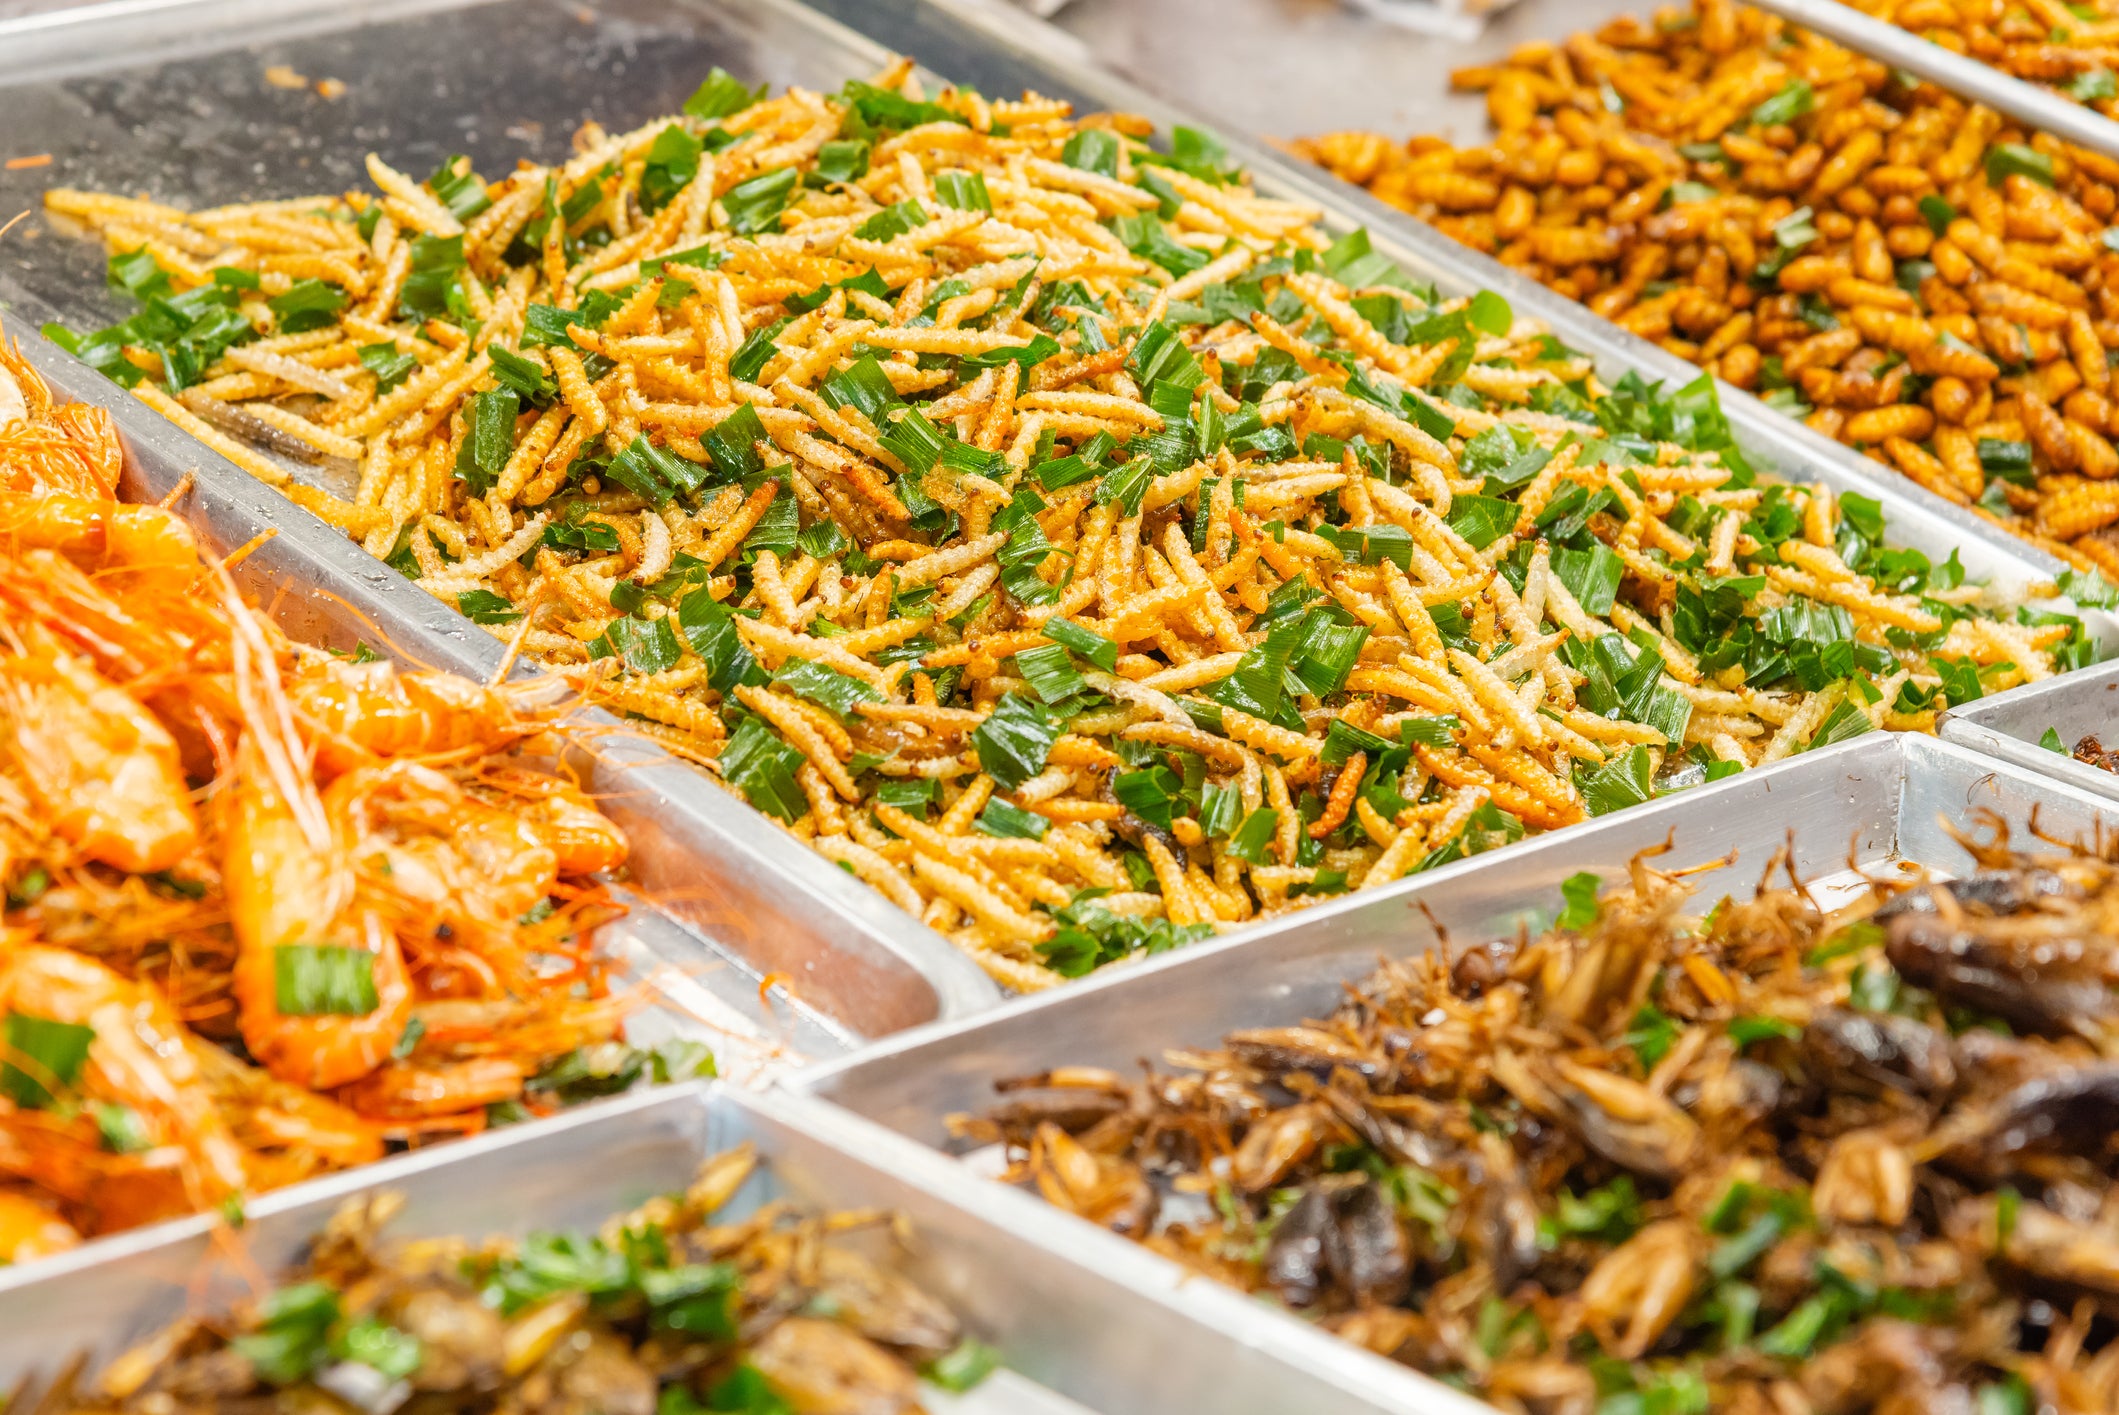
1084	550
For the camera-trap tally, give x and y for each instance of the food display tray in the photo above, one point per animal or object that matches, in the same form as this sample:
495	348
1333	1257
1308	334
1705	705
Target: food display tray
170	98
1878	804
2012	725
1117	1339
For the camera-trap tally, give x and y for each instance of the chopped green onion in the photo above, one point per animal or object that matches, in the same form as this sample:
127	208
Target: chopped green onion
757	763
42	1058
837	693
1050	673
672	163
1092	150
2009	159
1488	311
1015	740
1011	822
1580	892
388	365
754	206
1794	99
720	95
486	607
963	1366
1746	1030
966	191
1091	645
324	980
308	304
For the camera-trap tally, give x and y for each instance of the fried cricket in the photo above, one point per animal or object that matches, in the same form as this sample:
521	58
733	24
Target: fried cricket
1773	1159
664	1308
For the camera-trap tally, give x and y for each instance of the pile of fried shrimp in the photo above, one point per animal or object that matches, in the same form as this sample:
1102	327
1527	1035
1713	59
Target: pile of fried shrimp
1793	1154
1912	274
267	909
1086	551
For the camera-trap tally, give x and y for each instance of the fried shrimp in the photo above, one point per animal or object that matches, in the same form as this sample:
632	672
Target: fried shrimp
123	1047
319	977
100	764
267	911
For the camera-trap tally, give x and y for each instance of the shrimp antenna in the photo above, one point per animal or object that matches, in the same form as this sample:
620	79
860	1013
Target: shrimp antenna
270	717
382	635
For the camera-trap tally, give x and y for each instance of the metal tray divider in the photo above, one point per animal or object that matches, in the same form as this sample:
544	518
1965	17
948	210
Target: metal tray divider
855	964
1958	73
1870	800
64	42
2008	725
1114	1329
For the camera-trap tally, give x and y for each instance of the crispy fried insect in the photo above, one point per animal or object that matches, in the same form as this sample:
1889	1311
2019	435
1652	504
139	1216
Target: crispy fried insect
1616	1129
1855	214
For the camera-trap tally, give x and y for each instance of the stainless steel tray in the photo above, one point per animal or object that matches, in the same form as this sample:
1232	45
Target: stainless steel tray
1001	50
1863	805
2009	726
1118	1338
170	98
756	905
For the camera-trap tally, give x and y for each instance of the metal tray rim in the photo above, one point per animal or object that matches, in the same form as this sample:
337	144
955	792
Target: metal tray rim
338	1186
1978	727
1210	1318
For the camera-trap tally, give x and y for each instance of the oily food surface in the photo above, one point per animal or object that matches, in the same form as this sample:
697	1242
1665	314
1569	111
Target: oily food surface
266	910
673	1307
1909	273
1083	550
1770	1160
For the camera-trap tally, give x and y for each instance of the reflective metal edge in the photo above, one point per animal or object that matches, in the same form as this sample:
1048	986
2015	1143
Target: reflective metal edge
1004	51
61	43
856	963
1966	77
1870	800
2008	725
1106	1329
